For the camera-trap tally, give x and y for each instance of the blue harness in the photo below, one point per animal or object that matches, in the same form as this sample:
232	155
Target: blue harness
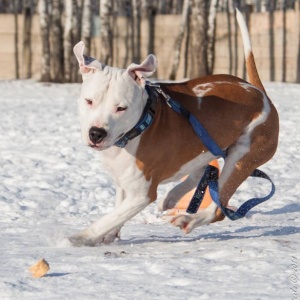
211	174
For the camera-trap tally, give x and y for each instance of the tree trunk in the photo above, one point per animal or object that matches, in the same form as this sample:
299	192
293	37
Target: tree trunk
106	32
151	27
17	73
187	47
178	42
71	37
229	37
211	35
136	9
132	30
127	36
284	41
248	10
75	37
116	36
86	25
67	41
272	41
27	25
45	24
298	31
199	65
237	4
57	52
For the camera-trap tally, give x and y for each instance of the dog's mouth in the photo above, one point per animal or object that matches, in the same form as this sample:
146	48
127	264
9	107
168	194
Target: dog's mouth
98	147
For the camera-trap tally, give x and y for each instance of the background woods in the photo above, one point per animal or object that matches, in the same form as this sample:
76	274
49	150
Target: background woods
190	37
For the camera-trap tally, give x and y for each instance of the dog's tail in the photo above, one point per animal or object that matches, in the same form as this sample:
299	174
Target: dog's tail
253	76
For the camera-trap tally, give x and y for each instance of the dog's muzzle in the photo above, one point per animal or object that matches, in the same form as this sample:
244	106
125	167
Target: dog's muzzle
97	135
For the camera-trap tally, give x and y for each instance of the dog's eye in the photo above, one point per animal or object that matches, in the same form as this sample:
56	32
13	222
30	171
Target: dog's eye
120	108
89	101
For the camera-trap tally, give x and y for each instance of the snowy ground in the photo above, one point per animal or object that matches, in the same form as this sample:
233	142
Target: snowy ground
51	186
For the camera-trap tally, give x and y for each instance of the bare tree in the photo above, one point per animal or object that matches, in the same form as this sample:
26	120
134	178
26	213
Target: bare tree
116	35
229	36
178	42
186	60
45	28
17	74
248	11
128	28
75	37
298	31
199	65
132	28
67	40
284	41
71	36
151	13
57	53
106	32
211	35
272	41
136	8
237	4
27	25
86	25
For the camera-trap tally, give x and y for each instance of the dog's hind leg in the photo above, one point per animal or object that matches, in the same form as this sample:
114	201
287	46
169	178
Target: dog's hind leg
235	171
243	158
176	193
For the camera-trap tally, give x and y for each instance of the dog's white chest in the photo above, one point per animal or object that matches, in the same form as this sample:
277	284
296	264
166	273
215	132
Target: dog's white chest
121	164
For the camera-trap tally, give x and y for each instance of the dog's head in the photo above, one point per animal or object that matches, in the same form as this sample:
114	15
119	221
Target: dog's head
112	99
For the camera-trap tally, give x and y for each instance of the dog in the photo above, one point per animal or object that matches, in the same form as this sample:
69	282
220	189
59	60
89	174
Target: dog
238	115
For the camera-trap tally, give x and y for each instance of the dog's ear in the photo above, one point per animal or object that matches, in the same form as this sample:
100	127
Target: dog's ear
86	64
145	69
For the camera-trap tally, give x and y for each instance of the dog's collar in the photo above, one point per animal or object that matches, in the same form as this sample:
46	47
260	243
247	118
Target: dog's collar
144	122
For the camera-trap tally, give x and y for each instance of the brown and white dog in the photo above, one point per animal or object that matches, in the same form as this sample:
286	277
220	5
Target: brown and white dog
238	115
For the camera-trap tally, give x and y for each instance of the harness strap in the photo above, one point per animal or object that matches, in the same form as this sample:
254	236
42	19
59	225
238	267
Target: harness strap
201	132
211	174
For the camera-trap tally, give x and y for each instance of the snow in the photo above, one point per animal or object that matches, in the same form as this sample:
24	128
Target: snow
52	186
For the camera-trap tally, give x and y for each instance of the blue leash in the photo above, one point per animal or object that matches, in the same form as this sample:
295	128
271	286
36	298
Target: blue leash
211	174
210	179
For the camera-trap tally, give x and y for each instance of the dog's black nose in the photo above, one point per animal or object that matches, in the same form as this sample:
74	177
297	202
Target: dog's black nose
97	134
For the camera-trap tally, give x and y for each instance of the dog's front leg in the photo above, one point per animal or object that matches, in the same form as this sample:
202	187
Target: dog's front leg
95	234
115	233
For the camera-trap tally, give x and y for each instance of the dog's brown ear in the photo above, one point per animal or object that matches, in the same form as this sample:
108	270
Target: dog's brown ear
86	64
145	69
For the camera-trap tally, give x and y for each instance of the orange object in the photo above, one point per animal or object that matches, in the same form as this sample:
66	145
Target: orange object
39	269
185	200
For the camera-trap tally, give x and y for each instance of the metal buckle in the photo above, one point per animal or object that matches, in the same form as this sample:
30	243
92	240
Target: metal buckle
160	91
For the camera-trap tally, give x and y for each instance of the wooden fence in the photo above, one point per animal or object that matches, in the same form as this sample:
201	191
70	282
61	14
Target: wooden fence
268	44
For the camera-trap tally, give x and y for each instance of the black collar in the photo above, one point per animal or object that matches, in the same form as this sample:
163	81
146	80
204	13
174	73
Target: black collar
144	122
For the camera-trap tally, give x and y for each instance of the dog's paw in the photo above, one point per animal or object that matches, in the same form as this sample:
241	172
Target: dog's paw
111	236
84	239
187	222
79	241
183	222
